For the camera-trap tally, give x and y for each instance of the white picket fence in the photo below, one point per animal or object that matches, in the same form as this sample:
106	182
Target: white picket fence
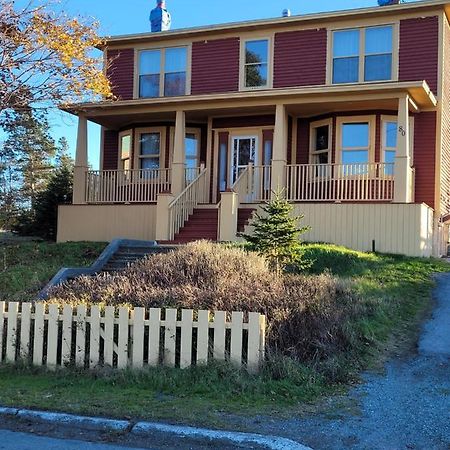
52	335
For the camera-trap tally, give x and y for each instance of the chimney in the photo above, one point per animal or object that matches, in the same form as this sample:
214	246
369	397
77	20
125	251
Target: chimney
160	18
388	2
286	13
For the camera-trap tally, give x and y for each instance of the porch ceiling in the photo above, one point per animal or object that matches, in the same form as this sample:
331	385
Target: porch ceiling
309	101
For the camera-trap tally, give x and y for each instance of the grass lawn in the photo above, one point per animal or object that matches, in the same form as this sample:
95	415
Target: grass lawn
25	267
396	289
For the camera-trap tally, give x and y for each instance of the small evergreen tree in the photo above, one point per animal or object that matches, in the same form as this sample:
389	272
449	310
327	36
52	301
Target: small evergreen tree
276	234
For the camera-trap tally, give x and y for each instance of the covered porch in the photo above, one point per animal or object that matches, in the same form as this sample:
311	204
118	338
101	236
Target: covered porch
211	158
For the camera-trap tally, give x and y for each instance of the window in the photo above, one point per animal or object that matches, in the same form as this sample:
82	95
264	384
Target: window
256	64
124	150
149	145
163	72
355	143
363	55
192	142
389	130
320	144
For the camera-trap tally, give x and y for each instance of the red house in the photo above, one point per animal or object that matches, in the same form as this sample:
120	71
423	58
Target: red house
347	113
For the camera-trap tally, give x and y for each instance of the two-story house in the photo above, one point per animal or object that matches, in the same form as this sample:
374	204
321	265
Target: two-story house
347	113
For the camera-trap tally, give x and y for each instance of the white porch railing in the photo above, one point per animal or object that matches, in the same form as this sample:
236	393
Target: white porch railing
340	182
126	186
253	184
183	206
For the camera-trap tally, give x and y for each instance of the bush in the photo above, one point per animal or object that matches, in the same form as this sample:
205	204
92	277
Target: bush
306	315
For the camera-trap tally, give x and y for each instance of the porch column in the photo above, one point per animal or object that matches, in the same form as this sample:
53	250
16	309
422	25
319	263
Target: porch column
81	163
178	162
228	216
403	175
279	152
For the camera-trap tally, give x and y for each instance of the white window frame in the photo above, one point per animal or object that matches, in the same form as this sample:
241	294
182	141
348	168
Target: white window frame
120	163
242	64
137	150
162	71
312	139
362	53
232	138
385	119
340	121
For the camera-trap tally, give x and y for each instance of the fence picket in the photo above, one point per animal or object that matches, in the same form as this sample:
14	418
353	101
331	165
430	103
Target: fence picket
170	334
38	348
80	349
25	323
122	344
66	347
154	336
52	335
11	335
138	316
236	338
186	338
202	337
253	350
94	339
108	336
219	334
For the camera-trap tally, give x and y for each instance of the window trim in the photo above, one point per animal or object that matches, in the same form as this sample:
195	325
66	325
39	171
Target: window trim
137	69
317	124
341	120
363	26
137	150
188	130
120	160
391	118
242	65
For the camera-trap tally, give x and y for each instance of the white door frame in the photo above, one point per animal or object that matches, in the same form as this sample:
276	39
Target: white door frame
233	156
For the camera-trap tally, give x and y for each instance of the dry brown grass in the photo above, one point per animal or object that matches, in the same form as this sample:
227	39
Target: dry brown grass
307	315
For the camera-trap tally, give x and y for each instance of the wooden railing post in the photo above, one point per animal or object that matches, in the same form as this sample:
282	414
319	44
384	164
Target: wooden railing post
162	216
228	216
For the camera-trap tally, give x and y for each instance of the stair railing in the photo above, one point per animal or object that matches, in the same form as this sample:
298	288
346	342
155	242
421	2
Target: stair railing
183	206
242	184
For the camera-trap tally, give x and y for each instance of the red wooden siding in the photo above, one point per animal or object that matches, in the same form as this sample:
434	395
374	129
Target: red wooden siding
215	66
289	141
110	150
244	121
303	141
425	157
120	72
419	50
300	58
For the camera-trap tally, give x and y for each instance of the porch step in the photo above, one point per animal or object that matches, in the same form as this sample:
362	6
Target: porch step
244	217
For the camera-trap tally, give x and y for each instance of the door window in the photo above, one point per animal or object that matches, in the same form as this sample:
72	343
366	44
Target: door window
244	152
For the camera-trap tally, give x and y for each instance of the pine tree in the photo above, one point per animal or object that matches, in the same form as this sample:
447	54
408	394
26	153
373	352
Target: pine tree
29	143
276	234
57	192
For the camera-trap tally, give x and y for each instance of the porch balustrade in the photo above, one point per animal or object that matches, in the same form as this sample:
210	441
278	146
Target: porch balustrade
126	186
253	184
340	182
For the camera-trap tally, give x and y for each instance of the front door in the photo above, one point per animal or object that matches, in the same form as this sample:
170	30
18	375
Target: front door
244	151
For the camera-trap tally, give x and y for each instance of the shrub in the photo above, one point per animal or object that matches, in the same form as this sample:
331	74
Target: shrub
306	315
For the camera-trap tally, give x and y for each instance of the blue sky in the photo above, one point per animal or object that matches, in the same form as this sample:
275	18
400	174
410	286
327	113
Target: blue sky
123	17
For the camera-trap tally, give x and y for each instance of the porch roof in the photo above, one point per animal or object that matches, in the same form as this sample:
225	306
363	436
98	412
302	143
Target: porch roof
303	101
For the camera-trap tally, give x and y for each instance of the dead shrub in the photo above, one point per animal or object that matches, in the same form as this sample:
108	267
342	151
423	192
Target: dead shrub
307	315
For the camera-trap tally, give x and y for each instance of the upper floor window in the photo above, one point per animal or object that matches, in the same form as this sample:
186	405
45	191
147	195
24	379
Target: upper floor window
363	55
162	72
256	64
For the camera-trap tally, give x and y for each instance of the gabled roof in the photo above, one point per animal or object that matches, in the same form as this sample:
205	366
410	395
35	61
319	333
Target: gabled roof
322	17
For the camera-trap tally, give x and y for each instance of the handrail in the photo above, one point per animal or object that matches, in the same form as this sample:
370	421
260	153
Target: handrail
253	184
184	204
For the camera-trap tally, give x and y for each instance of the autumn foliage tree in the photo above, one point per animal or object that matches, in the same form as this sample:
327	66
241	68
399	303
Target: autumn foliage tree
47	59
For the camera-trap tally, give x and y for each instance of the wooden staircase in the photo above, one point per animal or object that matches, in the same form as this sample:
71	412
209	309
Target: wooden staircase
204	224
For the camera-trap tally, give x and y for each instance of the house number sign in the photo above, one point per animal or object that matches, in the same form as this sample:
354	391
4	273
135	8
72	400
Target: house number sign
402	131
